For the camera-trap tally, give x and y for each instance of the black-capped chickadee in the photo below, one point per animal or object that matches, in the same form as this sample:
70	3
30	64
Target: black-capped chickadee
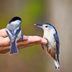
14	32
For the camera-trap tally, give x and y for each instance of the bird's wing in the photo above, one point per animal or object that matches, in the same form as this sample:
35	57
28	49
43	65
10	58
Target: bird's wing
57	45
9	33
56	39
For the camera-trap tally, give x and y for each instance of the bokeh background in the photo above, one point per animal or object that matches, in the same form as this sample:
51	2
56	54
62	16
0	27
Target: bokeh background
33	58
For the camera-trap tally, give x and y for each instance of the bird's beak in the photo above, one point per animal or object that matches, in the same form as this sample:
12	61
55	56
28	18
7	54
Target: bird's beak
38	25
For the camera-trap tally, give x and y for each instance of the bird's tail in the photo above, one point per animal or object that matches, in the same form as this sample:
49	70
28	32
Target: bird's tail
57	64
56	61
13	47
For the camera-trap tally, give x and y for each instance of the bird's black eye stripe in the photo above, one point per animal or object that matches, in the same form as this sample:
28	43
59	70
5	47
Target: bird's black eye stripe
46	26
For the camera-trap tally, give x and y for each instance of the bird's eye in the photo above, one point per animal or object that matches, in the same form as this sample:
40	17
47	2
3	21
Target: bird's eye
46	26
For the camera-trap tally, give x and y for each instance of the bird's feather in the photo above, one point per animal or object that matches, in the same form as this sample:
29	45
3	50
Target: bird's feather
13	47
57	44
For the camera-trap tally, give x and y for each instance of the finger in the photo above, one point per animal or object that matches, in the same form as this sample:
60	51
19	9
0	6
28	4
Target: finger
3	33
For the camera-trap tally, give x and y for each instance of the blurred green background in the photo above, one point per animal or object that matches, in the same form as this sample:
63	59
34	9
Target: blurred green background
33	58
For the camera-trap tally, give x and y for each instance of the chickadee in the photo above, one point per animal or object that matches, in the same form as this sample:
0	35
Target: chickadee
14	32
52	48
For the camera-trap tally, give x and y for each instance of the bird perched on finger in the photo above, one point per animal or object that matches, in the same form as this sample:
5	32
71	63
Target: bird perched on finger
52	47
14	32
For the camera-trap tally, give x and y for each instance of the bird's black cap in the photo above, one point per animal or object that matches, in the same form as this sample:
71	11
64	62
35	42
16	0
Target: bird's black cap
15	18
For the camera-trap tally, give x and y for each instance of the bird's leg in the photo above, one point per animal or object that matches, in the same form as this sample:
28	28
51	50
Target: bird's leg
22	38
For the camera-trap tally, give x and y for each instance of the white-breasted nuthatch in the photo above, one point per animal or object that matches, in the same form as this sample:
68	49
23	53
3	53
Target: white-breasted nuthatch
52	47
14	32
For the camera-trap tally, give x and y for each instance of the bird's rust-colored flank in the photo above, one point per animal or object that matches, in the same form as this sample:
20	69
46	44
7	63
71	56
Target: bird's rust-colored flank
52	52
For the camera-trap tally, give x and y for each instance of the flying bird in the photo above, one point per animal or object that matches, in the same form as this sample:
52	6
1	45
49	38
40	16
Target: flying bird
14	32
52	47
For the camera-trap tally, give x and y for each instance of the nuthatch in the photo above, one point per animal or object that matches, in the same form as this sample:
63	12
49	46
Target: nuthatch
52	47
14	32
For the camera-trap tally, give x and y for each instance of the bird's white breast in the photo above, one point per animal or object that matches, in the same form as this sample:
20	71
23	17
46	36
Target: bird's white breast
49	35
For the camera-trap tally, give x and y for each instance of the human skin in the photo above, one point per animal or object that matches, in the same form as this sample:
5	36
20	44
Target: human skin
28	41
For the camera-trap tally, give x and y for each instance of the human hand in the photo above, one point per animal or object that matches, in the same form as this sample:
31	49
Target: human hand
28	40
